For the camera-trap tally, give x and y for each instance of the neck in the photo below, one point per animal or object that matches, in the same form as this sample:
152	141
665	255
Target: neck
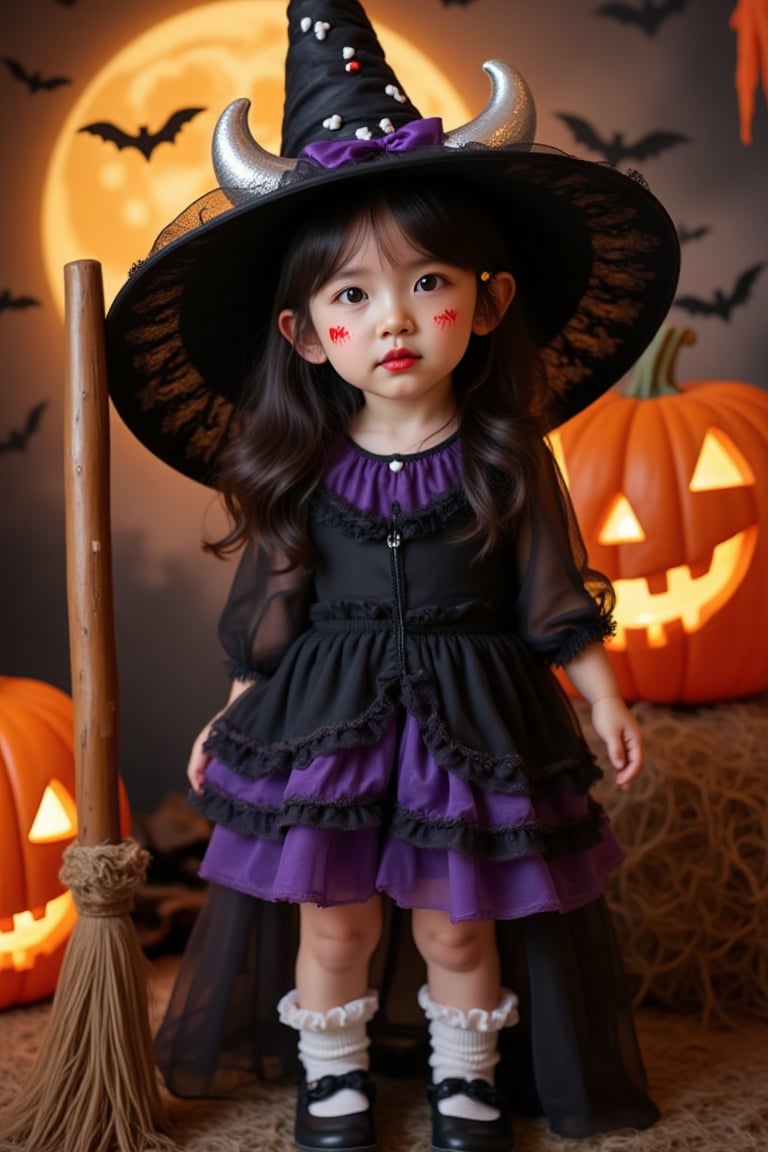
387	429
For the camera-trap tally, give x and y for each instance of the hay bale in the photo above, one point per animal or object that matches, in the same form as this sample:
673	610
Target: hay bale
691	900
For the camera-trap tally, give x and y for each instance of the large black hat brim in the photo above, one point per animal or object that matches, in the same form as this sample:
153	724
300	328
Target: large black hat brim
595	254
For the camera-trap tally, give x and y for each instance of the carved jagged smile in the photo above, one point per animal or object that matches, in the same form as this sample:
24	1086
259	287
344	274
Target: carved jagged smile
29	936
682	596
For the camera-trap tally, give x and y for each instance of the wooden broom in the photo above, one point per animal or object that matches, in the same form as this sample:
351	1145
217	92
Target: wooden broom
93	1087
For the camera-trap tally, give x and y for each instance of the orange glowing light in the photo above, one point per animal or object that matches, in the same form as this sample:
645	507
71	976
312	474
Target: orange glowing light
33	935
691	599
679	595
56	817
621	525
720	464
26	936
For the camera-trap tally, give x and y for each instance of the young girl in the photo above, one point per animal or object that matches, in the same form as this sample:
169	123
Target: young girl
411	570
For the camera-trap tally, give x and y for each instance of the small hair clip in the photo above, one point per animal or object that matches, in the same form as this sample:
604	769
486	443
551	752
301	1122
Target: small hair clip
486	276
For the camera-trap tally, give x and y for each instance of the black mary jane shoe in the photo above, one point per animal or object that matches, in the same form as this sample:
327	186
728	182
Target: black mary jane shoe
354	1132
457	1134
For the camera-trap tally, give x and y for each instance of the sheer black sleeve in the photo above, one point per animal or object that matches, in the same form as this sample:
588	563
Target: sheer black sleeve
265	610
563	605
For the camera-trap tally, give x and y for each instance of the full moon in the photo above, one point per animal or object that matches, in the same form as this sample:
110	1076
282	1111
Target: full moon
109	203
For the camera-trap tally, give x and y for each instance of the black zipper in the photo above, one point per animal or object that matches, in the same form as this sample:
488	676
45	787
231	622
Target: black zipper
394	542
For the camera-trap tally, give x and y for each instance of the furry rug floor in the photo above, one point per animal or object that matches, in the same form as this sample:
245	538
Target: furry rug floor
711	1086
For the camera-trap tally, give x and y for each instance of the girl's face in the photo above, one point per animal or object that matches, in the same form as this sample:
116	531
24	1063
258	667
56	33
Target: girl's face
391	321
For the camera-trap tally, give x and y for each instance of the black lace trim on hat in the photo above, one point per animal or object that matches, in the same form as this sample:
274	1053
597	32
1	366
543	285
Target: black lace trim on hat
331	509
614	301
498	843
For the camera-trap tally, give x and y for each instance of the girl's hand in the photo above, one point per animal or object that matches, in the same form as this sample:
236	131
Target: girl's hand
617	727
198	759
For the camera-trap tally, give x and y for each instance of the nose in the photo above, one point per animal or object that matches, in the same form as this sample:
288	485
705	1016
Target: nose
396	318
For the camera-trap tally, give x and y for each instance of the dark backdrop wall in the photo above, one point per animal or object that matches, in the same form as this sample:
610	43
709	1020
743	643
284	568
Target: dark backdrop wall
614	75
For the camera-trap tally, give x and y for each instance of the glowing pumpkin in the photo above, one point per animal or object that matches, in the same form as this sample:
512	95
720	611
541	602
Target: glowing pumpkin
38	819
670	486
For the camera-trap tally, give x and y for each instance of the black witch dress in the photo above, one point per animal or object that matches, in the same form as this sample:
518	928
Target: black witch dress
405	734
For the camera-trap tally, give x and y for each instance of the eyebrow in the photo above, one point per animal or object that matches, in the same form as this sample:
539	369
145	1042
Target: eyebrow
348	270
351	270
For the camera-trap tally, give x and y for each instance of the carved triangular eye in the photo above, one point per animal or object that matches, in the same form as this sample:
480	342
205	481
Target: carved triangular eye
720	465
56	817
621	525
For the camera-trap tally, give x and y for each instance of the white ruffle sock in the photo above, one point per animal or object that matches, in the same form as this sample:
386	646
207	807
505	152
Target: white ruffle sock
330	1044
464	1046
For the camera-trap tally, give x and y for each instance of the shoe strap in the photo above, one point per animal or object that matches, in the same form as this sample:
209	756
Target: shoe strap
476	1089
328	1086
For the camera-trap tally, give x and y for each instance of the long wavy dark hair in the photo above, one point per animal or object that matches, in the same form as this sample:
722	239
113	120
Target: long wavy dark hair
298	410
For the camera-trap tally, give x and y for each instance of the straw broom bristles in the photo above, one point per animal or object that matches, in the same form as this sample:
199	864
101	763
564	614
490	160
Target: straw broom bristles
93	1087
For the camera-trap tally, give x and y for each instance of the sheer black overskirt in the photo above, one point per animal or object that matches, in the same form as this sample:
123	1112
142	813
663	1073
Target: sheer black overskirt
573	1057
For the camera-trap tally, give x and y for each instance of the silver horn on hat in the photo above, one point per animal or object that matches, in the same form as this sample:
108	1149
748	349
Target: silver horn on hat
509	117
240	163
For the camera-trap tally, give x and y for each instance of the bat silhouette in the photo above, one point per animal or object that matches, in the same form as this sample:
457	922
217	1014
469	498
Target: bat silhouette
649	16
615	150
144	141
17	438
7	301
685	234
722	304
35	81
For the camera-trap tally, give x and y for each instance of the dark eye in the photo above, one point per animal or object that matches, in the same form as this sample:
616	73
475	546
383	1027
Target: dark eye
352	296
429	282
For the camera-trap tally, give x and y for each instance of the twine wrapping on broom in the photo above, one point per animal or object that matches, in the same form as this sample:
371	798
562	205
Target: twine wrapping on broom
93	1087
103	878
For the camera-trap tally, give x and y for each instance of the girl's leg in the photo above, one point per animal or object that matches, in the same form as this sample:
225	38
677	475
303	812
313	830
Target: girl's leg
462	959
466	1007
330	1008
336	945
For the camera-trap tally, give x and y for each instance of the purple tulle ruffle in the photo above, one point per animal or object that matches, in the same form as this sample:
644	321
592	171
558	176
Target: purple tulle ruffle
350	862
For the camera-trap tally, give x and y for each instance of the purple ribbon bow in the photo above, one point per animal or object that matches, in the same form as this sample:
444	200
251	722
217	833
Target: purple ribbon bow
335	153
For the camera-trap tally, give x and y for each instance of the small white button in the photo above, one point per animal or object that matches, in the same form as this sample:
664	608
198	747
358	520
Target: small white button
396	465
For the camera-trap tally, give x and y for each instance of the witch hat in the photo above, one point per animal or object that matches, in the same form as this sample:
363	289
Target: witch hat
596	255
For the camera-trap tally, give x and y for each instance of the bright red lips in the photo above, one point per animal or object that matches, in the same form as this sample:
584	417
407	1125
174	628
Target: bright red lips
399	360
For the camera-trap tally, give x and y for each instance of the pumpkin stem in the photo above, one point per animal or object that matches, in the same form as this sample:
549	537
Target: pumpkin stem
654	373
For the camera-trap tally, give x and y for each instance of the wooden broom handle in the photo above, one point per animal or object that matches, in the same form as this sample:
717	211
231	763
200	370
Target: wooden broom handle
90	604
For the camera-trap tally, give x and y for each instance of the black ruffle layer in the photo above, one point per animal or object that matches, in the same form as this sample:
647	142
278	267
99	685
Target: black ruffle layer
507	772
333	511
496	844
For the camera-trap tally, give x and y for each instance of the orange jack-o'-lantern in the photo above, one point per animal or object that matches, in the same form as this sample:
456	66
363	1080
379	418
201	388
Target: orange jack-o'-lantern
38	818
670	486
